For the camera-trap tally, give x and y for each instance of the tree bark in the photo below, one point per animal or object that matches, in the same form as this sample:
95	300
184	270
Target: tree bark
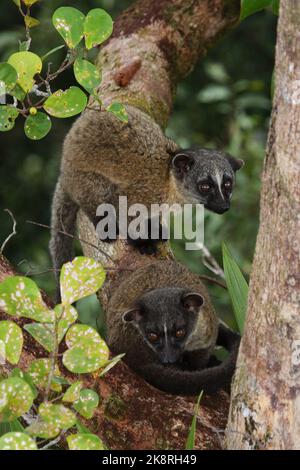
265	404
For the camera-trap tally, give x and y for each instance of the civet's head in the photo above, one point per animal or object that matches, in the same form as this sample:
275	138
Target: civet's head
165	318
206	177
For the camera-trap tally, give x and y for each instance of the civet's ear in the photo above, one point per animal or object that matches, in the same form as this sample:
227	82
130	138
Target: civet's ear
182	162
236	163
133	315
192	302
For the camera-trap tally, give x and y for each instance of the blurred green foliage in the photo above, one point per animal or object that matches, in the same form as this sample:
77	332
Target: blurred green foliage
225	102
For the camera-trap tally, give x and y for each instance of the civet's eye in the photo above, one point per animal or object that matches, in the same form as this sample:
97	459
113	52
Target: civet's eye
180	333
228	185
152	337
204	187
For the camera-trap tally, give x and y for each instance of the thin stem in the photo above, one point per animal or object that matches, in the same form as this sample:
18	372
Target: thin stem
13	233
54	442
211	263
213	281
53	355
71	236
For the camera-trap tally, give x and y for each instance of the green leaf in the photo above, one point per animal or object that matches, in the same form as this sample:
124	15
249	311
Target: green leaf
17	2
8	115
237	287
57	415
78	334
60	380
82	429
15	398
88	352
18	93
67	315
84	442
110	364
37	126
12	337
40	428
118	110
73	392
44	333
20	297
27	66
12	426
39	370
26	377
64	104
87	75
69	21
98	26
87	403
80	278
8	75
190	443
248	7
17	441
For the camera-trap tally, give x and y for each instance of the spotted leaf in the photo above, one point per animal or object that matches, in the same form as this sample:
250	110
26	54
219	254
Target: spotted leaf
18	398
84	442
57	415
37	126
73	392
87	75
8	115
17	441
12	337
69	23
64	104
20	297
85	358
80	278
40	428
98	26
79	333
43	334
118	110
87	403
8	76
27	65
39	370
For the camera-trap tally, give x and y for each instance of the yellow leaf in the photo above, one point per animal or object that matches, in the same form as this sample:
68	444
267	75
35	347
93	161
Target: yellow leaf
30	22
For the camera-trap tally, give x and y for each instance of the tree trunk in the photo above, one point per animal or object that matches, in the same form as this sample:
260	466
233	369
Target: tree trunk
265	404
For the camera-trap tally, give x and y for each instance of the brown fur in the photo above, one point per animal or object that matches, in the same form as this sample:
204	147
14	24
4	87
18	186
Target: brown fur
196	374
